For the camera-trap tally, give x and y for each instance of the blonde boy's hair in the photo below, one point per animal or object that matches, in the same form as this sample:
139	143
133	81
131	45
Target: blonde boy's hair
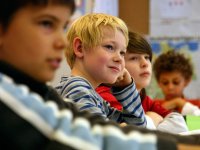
89	29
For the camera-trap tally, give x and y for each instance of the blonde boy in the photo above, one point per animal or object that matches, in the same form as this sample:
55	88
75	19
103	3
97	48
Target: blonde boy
95	52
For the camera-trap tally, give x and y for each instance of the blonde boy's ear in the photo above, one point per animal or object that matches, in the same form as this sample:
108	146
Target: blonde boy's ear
78	49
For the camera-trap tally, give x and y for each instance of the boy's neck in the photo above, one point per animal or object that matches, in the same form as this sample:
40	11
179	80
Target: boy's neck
83	74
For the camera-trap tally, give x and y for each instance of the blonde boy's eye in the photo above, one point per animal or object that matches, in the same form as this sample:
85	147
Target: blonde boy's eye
110	47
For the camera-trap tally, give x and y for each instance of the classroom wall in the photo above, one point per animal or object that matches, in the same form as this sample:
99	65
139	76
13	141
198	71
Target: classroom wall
136	14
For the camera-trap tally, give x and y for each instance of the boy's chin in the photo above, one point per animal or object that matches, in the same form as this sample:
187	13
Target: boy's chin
45	78
169	97
112	83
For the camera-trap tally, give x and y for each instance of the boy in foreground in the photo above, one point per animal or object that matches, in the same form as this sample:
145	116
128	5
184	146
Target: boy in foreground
32	116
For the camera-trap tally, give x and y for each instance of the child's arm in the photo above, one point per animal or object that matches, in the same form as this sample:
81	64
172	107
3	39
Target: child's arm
190	109
175	103
151	105
81	92
186	108
173	123
123	80
133	112
126	93
157	119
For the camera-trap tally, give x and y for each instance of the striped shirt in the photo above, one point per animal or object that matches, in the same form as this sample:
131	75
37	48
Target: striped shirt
82	93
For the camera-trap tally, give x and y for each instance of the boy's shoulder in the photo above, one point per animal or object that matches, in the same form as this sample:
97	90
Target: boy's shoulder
20	98
75	80
9	87
72	82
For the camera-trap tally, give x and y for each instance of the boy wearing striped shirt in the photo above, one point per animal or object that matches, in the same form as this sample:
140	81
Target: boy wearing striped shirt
95	52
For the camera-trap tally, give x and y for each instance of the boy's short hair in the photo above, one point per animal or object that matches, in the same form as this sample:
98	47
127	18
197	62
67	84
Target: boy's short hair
89	29
138	44
8	8
172	61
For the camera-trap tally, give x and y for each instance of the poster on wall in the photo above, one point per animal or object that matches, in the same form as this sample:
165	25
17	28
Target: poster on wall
95	6
174	18
82	7
106	6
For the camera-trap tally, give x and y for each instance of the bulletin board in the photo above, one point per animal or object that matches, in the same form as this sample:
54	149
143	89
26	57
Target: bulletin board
137	15
174	18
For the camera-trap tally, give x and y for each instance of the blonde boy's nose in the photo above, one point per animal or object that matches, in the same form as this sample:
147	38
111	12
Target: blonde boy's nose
118	57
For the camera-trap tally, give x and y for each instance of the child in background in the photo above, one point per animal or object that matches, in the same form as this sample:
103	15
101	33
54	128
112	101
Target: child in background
32	115
173	72
95	52
138	63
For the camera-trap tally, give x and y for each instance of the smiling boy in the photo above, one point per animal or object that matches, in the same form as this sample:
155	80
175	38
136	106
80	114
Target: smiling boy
95	53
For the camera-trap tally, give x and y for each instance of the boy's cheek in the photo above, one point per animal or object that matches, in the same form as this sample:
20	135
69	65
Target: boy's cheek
102	60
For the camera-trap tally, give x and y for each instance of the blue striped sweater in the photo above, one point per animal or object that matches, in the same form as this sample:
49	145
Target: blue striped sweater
82	93
32	117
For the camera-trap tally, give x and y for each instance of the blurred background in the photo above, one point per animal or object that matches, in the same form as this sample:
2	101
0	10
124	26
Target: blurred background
166	24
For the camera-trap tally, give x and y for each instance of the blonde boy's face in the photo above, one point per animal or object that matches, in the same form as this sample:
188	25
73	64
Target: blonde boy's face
34	40
172	84
139	67
104	63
